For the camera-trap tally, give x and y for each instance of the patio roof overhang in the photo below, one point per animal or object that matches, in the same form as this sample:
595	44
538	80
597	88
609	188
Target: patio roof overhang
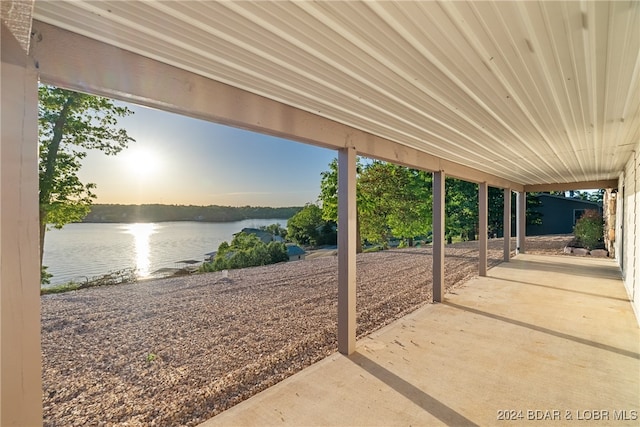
526	96
514	94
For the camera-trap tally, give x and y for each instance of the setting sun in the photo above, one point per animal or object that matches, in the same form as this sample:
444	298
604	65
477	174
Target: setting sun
142	163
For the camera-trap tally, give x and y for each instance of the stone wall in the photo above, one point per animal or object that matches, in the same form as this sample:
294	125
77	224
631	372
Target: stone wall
609	214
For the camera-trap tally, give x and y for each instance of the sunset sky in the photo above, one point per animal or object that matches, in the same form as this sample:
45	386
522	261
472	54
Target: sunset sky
179	160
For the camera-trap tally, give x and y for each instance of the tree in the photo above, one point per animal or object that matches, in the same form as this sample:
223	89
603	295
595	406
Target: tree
373	208
275	229
495	218
533	215
329	199
411	203
394	201
246	250
69	123
329	192
305	227
461	209
596	196
592	196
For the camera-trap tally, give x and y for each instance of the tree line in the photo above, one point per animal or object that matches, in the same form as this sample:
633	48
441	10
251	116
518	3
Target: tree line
395	202
163	213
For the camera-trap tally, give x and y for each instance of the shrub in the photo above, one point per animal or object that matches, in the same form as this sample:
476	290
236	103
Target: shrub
246	250
45	276
240	259
117	277
589	229
277	252
207	267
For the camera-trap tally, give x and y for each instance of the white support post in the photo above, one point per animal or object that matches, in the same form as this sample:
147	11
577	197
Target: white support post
438	235
507	224
521	221
483	229
20	353
347	216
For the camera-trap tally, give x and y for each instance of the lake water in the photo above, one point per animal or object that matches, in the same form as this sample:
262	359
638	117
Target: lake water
86	250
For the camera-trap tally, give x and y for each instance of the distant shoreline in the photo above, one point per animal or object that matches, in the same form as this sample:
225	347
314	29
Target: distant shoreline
173	220
116	213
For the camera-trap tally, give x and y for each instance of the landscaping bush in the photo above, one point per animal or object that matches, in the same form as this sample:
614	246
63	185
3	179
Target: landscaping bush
589	229
127	275
277	252
207	267
246	250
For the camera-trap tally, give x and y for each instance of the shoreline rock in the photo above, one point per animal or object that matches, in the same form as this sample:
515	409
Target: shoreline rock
596	253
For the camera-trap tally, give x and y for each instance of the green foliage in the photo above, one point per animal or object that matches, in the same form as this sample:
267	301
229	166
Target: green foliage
276	229
212	213
206	267
308	227
117	277
219	263
277	252
461	209
329	200
496	211
45	276
393	201
396	202
329	192
532	216
246	250
302	227
243	241
591	196
495	199
69	124
589	229
374	183
59	289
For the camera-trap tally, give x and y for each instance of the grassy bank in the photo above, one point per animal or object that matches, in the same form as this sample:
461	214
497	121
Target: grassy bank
112	278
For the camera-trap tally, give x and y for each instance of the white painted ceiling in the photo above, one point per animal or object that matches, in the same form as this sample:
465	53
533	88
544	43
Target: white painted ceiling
534	92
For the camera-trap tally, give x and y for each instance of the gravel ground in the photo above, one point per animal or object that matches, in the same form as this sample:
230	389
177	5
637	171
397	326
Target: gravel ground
178	351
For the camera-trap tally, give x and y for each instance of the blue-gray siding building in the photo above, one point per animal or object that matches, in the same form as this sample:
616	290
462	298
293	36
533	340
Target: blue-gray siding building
559	214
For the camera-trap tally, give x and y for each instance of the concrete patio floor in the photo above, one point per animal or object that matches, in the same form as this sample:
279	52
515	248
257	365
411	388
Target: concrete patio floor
543	341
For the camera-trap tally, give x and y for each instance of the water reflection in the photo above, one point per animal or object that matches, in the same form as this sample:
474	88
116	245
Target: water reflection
141	234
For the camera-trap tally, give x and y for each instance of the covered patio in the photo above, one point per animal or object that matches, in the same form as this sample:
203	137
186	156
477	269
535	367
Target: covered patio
522	96
541	339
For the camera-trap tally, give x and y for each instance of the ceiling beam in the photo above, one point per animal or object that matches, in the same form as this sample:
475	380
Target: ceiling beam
566	186
72	61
